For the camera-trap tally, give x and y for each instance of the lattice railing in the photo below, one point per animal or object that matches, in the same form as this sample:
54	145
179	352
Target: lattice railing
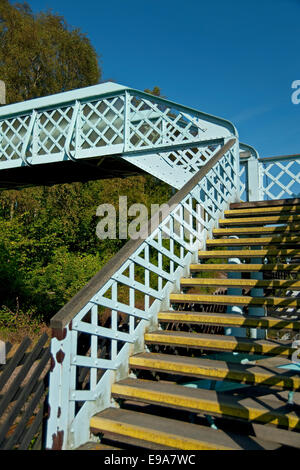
111	119
243	181
97	331
281	177
270	178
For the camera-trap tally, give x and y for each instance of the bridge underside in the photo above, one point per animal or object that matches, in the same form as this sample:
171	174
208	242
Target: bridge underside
67	172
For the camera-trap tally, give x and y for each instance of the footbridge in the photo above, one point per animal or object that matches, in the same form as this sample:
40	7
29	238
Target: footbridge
173	339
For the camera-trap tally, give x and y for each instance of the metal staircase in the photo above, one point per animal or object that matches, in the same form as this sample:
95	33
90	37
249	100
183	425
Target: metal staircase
194	301
161	407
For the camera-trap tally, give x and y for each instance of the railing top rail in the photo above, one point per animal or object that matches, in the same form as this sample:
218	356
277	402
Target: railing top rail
68	311
62	98
245	154
97	91
247	151
279	157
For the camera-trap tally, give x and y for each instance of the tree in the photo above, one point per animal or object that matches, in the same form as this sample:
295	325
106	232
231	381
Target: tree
155	91
40	55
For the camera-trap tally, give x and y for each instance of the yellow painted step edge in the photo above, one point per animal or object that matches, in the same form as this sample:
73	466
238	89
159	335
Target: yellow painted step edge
237	300
272	283
146	434
213	372
262	211
222	319
256	230
244	267
202	404
261	220
224	344
251	241
246	253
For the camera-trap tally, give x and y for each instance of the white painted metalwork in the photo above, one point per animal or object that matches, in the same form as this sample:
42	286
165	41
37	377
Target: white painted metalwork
281	177
268	178
92	343
97	331
153	133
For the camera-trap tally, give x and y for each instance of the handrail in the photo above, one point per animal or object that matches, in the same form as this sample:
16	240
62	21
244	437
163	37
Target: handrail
68	311
98	91
279	157
97	331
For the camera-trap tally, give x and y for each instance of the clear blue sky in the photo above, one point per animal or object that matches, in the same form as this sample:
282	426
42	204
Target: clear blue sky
235	59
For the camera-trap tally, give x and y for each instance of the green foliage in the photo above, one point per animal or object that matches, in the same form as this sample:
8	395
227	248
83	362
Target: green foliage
49	248
53	285
40	55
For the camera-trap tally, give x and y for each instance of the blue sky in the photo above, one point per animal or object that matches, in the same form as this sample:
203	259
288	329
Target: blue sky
234	59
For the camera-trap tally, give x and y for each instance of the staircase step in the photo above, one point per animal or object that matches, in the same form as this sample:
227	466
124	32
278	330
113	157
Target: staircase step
207	401
248	253
220	232
291	302
242	283
267	376
271	203
263	241
243	267
170	432
263	211
219	343
227	319
264	220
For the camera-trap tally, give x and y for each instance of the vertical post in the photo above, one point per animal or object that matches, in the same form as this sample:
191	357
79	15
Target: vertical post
241	332
255	194
257	292
2	93
253	180
236	150
59	389
126	134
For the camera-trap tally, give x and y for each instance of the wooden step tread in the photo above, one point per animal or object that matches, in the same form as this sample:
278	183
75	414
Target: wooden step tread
271	203
248	253
220	343
243	283
259	211
227	319
170	432
264	220
208	401
220	232
292	302
244	267
266	375
255	241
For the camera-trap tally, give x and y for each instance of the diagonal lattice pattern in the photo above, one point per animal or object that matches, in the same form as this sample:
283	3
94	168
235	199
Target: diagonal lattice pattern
101	123
153	124
110	120
192	158
243	181
281	179
52	129
97	341
12	134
